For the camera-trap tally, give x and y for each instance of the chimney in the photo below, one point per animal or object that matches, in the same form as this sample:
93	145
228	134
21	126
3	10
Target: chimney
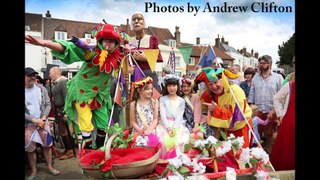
48	15
256	55
252	52
177	35
227	43
217	44
198	40
222	39
244	50
127	25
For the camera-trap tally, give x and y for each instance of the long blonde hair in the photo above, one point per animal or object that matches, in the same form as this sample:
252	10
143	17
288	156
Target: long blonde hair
254	109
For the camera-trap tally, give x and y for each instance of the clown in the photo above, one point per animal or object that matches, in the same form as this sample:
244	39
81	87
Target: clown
221	99
89	91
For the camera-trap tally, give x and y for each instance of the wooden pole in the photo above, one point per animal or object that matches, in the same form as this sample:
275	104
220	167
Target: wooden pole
127	77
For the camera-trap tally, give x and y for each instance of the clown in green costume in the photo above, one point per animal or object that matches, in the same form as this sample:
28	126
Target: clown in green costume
89	91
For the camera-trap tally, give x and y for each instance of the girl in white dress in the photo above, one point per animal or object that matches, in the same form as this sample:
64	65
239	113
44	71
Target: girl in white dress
172	130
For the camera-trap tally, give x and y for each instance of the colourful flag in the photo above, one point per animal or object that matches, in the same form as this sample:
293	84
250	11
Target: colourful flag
137	74
155	93
117	97
171	61
185	51
237	116
207	61
152	57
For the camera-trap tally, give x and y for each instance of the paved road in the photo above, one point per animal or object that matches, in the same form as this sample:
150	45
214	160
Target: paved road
69	169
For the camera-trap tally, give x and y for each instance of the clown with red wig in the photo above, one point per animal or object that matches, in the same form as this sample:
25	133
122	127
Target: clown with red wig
89	91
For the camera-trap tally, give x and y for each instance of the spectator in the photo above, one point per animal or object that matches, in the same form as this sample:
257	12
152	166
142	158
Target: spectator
264	86
59	93
282	156
37	108
193	113
290	76
248	75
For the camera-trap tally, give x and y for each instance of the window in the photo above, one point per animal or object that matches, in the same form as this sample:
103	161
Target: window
192	60
172	43
177	62
58	62
178	74
59	35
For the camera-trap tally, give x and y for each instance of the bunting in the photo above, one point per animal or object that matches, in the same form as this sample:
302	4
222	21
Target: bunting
152	57
237	116
117	96
186	52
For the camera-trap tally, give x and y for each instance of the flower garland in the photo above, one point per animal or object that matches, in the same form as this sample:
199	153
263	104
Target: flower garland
171	76
255	157
142	82
182	166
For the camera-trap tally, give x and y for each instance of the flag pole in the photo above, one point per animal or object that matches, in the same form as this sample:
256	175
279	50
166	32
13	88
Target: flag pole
254	136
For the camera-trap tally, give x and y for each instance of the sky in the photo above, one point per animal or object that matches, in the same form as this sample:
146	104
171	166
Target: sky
261	31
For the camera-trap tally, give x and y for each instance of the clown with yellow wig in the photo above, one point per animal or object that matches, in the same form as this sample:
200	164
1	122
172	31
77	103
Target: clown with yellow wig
227	104
89	91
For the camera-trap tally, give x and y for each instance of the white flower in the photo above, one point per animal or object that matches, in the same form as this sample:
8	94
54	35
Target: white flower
231	136
240	141
245	155
212	140
176	162
223	149
259	153
142	141
200	143
231	174
185	159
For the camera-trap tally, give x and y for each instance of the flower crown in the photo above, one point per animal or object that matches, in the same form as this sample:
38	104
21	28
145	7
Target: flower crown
171	76
186	80
142	82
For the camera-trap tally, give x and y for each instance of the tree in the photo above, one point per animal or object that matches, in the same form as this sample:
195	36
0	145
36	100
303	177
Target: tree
287	51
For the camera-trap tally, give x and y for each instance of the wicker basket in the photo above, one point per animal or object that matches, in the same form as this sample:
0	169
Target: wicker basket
119	171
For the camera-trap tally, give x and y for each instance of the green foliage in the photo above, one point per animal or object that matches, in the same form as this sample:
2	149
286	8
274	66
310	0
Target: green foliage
223	135
120	141
286	51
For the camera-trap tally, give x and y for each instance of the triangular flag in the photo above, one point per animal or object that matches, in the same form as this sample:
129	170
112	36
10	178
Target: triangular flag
152	57
137	74
185	51
211	56
237	116
124	65
117	97
202	61
155	93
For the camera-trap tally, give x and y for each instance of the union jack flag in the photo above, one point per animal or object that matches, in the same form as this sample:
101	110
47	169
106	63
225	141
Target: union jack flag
171	61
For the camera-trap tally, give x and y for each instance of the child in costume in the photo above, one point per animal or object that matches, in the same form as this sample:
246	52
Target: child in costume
172	130
89	91
255	121
193	112
144	111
